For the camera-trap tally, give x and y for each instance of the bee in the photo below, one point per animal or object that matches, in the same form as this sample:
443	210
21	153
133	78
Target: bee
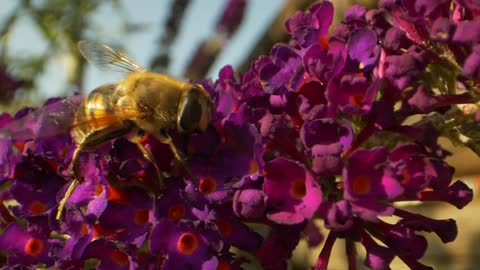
143	102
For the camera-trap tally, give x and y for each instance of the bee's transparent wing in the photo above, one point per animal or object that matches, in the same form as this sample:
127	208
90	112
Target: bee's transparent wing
107	58
50	120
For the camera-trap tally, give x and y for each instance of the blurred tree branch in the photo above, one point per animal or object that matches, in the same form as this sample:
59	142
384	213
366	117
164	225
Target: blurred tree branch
208	51
61	23
161	60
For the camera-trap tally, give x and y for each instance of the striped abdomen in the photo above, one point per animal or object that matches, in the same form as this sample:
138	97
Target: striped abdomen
98	116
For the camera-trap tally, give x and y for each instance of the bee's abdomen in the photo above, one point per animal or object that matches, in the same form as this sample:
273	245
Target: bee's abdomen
97	112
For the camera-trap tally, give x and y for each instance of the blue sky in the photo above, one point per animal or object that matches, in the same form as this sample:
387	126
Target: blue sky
198	24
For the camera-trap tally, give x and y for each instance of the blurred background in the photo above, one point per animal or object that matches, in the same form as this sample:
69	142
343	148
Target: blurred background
188	39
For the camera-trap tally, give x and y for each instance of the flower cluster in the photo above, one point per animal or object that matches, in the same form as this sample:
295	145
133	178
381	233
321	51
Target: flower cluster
317	129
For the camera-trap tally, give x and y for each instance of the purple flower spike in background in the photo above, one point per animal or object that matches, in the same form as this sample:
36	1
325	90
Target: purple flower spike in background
328	138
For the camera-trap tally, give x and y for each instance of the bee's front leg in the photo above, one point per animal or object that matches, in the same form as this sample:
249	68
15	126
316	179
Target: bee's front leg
150	158
164	137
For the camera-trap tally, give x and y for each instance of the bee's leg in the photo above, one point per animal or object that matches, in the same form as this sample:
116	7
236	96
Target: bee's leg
73	166
91	140
150	158
165	138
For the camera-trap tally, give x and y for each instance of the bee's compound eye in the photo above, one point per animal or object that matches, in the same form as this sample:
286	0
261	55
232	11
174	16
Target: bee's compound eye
190	111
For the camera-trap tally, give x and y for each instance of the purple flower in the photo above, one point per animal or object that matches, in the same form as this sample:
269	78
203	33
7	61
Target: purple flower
291	192
238	157
445	229
442	29
425	102
464	32
181	245
283	71
395	40
355	15
432	9
325	141
406	18
363	52
317	129
131	220
378	257
81	232
279	245
323	64
405	69
35	187
339	216
472	66
416	171
110	256
94	192
311	27
7	158
368	182
249	203
232	17
27	247
352	94
233	231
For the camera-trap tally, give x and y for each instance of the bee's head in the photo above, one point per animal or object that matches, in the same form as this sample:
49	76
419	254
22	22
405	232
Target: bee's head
194	110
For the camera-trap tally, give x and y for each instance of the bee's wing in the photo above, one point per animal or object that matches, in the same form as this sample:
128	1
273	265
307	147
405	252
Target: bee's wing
105	57
50	120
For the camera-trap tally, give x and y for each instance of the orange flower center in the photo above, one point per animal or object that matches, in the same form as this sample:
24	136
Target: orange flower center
20	146
323	42
356	99
361	185
84	229
253	166
405	177
224	227
34	247
176	212
98	230
120	257
187	243
53	164
223	265
98	190
298	189
207	185
116	195
141	216
37	207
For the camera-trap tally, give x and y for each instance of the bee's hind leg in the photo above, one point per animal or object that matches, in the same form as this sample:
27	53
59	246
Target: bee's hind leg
91	140
150	158
73	166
